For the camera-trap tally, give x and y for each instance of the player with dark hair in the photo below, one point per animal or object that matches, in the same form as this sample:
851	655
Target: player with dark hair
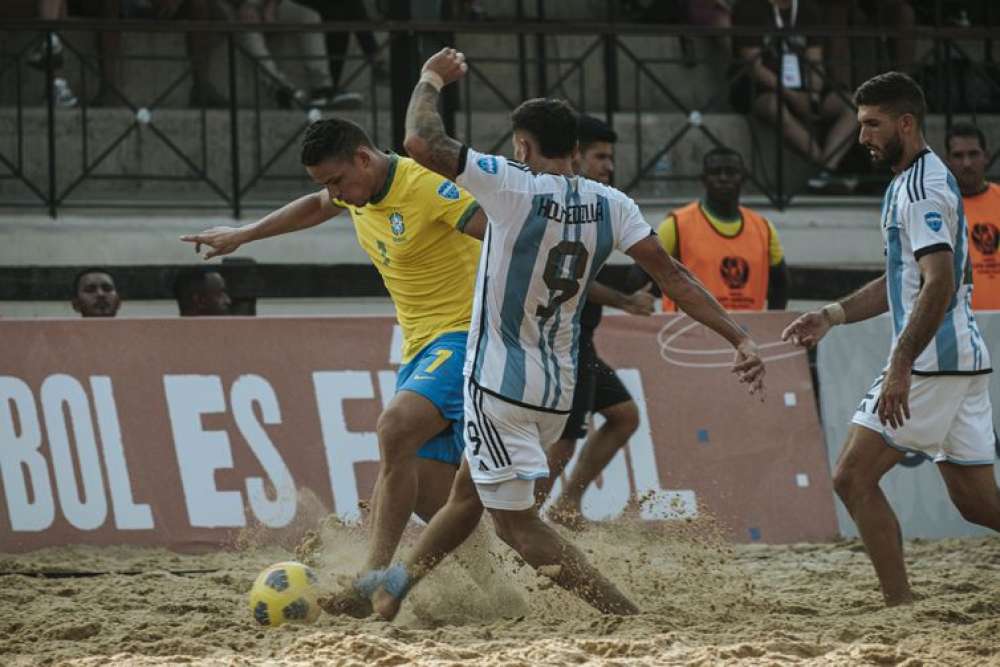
95	293
410	222
201	291
598	388
549	233
933	397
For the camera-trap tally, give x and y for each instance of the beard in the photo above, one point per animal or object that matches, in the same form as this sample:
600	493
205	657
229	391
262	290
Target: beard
890	154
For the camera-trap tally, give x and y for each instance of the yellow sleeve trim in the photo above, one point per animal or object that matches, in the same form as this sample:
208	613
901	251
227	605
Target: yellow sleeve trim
667	234
776	253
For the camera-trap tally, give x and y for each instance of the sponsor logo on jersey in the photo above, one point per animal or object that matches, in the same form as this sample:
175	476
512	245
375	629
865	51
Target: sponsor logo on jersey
933	220
735	271
986	237
448	190
396	224
487	163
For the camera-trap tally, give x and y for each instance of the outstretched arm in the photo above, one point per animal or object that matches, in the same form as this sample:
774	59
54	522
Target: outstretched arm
691	296
863	304
306	211
426	141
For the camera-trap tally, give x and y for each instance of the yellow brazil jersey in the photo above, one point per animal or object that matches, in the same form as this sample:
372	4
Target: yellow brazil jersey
667	233
412	232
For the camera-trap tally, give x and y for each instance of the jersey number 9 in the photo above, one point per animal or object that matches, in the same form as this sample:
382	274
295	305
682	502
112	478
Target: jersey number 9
564	287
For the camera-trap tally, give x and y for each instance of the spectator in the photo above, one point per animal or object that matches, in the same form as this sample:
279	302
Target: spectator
321	93
201	291
897	15
734	251
967	158
95	294
807	100
62	94
199	44
336	11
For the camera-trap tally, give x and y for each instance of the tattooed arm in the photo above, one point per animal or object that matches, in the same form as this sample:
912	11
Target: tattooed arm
426	141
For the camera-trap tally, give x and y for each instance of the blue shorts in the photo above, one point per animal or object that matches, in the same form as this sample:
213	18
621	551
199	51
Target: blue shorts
436	374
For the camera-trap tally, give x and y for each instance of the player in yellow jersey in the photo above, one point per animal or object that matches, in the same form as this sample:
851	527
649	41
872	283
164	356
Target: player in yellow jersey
410	222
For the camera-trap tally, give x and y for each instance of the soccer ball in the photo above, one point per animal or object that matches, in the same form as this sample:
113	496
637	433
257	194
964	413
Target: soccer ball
285	592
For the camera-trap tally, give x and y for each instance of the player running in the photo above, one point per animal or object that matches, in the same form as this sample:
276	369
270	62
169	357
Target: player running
933	397
598	389
549	234
410	222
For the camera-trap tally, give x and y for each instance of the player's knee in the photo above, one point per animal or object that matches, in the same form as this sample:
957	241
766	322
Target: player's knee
393	441
975	511
847	484
624	418
972	513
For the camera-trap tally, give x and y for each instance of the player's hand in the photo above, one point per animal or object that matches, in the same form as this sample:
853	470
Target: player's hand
221	240
894	401
640	302
749	367
448	64
807	329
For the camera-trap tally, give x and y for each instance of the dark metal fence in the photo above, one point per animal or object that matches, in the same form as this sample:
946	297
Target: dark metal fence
666	104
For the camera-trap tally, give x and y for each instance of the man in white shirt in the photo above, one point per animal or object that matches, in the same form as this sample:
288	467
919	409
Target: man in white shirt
933	397
548	235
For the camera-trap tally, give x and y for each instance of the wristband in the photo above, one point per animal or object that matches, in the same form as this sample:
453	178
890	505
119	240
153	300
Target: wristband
433	78
834	313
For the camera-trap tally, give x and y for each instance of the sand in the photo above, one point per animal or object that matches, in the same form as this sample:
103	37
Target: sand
704	602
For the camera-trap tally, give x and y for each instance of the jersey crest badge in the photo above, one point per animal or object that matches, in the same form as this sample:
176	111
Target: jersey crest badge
448	190
487	163
397	226
933	220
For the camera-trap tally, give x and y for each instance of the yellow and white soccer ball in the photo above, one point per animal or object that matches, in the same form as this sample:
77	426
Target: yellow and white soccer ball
285	593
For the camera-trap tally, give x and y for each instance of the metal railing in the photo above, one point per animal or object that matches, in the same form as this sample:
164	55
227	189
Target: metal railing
238	155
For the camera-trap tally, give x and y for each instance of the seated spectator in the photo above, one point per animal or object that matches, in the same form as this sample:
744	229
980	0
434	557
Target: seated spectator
199	44
806	100
95	294
733	250
337	11
897	16
967	158
62	94
320	92
201	291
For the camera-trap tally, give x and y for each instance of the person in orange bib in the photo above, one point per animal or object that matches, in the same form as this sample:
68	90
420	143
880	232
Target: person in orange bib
967	159
734	251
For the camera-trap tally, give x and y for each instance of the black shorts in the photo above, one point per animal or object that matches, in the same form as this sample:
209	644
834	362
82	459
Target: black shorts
597	388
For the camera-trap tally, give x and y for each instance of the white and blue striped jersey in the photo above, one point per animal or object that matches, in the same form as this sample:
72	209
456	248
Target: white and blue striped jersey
548	236
922	213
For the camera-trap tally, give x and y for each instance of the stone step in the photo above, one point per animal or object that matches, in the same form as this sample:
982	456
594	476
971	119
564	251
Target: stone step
121	156
814	233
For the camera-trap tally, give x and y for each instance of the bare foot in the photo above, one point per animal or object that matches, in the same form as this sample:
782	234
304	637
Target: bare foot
568	517
900	600
385	605
347	602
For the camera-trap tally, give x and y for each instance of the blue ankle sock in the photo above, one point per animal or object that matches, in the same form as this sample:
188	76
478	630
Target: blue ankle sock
396	581
369	582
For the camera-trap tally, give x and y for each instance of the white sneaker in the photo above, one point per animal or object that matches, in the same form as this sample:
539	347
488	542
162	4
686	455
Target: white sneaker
62	94
36	56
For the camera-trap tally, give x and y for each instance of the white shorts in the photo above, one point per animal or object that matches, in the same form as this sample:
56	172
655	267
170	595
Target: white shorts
505	447
951	419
